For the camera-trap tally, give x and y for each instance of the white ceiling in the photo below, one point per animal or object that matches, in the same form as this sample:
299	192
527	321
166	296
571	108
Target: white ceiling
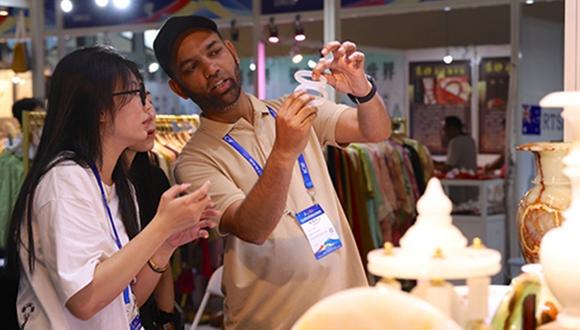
15	3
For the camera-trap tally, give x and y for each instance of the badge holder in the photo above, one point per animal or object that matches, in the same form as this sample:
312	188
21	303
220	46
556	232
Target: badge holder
319	231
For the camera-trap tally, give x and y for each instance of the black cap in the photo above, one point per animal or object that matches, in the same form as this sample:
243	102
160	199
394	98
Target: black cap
172	30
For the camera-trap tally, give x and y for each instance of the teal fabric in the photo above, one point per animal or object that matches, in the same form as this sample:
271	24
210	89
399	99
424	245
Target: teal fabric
373	200
11	177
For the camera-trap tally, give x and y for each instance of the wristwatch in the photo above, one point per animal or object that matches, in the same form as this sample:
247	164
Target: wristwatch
369	96
167	321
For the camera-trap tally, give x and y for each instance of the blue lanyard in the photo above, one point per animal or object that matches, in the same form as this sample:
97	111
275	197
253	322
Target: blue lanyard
301	161
117	239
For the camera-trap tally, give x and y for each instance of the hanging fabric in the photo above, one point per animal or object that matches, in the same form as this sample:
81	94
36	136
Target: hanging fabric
20	60
378	185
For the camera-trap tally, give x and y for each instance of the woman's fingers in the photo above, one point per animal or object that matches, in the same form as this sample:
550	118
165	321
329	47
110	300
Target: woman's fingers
210	214
176	190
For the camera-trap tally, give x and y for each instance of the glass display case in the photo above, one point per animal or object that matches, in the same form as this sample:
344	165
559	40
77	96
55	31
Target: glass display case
479	211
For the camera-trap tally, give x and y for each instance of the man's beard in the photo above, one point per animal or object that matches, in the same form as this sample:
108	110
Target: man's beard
207	102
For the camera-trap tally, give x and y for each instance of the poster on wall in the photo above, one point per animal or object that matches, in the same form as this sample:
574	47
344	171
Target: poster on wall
438	90
546	123
493	87
531	119
388	70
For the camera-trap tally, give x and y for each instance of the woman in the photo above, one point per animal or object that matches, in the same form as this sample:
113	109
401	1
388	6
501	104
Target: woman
76	210
150	182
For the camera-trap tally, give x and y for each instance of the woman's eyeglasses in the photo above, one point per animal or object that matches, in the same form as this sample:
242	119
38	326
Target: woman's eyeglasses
142	93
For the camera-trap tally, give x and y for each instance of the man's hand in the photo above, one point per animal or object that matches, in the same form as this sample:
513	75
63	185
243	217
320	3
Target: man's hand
293	123
346	68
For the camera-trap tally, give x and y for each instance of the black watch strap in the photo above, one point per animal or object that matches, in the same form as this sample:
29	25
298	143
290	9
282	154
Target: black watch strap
369	96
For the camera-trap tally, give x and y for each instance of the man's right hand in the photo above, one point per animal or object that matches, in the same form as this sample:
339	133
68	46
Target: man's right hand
293	123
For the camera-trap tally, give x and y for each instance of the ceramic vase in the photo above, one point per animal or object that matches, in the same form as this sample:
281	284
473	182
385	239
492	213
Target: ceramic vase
540	209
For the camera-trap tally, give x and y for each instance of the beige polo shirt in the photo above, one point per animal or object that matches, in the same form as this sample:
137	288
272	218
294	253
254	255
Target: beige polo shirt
270	286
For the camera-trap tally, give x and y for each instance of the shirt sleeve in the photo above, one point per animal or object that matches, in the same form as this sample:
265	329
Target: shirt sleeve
326	121
223	191
453	153
73	242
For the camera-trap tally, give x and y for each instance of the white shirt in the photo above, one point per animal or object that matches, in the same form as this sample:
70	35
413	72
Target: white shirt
72	234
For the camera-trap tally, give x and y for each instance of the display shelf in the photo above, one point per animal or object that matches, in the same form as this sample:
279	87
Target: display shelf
483	216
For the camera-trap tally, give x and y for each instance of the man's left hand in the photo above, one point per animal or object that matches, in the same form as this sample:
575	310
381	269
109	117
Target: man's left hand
346	69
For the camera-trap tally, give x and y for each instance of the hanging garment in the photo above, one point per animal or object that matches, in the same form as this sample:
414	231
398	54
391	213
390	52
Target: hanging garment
416	167
11	177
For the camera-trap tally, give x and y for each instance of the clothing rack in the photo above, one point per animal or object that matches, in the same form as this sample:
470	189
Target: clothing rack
33	122
378	185
163	121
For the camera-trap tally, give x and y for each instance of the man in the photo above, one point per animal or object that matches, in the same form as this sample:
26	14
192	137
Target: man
461	151
288	242
461	154
14	142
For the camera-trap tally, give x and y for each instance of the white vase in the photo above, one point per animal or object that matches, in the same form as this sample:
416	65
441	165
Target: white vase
560	251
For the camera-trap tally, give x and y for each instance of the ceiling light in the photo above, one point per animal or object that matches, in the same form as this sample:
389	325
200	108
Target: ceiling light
273	32
102	3
122	4
153	67
298	30
17	80
447	58
3	12
252	67
529	2
295	54
297	58
66	6
311	64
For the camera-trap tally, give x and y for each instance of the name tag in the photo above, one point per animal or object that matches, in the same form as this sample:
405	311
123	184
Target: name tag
319	231
133	314
136	323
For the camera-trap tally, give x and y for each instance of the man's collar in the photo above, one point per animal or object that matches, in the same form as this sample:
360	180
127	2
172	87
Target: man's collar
220	129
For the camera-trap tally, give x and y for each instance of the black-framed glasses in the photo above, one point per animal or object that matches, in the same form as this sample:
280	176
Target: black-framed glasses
142	93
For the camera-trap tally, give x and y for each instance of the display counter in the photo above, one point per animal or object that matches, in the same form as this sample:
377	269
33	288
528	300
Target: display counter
480	212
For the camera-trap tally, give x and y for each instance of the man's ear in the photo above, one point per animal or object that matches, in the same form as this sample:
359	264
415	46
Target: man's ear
176	88
232	49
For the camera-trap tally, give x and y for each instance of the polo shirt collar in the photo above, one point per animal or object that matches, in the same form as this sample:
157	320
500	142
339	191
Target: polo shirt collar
219	129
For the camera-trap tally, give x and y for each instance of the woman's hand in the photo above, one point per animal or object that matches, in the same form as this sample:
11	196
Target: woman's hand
178	213
199	230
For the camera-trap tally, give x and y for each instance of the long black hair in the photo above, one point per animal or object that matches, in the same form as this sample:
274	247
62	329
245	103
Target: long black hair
81	92
150	183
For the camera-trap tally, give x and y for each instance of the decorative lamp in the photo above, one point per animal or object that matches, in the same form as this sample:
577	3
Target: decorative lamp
560	247
432	251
